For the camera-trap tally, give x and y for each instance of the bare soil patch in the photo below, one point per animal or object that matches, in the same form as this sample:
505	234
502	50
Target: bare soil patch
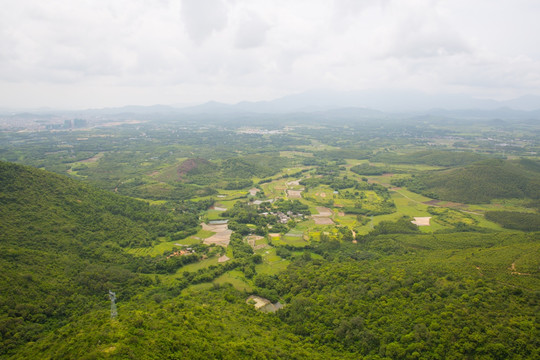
323	221
323	211
218	207
294	194
432	202
421	221
513	270
223	259
221	237
257	301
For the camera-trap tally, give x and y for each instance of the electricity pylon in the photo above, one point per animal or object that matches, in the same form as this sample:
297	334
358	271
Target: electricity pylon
112	296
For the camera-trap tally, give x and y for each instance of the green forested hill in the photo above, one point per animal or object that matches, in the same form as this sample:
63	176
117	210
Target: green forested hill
61	249
389	296
430	157
481	182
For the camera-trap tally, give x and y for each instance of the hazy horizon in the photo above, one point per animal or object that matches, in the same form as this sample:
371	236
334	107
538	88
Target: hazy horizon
74	55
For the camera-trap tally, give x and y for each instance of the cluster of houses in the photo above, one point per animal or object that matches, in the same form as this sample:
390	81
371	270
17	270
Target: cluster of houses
187	251
283	218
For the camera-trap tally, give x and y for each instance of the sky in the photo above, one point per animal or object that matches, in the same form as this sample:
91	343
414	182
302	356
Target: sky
101	53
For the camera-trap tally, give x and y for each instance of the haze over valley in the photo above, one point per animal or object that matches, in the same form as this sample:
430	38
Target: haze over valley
252	180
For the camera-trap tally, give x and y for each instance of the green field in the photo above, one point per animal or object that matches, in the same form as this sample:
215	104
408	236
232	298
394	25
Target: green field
236	279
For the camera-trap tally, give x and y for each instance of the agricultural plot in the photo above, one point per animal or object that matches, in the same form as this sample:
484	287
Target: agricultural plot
272	264
322	195
213	215
203	264
222	234
167	246
275	189
296	240
294	194
236	279
451	217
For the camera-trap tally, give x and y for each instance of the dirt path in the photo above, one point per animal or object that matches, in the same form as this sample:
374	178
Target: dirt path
294	183
513	270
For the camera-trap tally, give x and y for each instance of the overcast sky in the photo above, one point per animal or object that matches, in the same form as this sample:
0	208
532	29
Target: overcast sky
97	53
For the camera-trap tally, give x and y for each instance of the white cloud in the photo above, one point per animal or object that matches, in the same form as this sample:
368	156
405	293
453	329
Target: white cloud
204	17
251	32
174	51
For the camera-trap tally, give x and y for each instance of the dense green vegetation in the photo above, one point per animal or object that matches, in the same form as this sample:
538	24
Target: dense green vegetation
320	218
367	169
480	182
396	299
431	157
515	220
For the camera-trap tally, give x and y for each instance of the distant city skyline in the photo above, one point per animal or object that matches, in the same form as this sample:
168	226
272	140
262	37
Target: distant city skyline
78	54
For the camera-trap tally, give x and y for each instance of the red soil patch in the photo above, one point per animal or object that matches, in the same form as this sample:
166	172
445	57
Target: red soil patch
186	167
190	164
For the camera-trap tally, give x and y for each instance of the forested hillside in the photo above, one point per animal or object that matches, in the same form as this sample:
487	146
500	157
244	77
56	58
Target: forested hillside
61	249
481	182
431	157
392	295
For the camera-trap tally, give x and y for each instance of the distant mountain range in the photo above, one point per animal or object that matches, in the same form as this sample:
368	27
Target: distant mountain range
362	104
387	101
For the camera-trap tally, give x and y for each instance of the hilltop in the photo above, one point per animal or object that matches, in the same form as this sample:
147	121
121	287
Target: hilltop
481	182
